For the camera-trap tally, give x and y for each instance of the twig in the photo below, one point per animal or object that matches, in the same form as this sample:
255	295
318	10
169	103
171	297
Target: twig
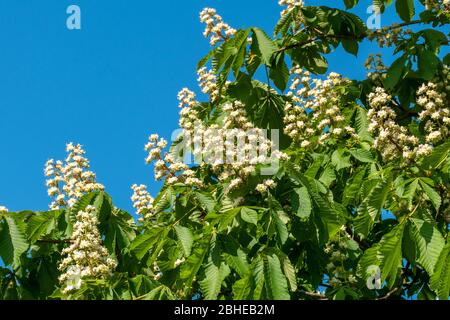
387	295
315	295
54	241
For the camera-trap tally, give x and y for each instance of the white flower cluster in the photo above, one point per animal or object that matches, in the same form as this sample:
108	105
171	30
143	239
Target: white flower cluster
235	149
232	149
291	4
166	166
186	98
3	209
142	202
391	139
86	257
265	186
315	109
215	27
433	97
69	181
208	83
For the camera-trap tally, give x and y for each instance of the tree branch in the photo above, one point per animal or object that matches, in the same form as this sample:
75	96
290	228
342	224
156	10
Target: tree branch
387	295
323	35
54	241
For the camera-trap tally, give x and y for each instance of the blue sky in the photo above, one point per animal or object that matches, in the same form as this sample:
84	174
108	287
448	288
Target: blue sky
108	85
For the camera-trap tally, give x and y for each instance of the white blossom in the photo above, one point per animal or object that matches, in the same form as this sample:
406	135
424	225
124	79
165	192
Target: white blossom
86	257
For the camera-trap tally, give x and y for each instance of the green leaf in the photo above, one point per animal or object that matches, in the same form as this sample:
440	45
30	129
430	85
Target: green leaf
390	254
328	176
206	201
428	242
242	288
12	240
190	268
288	270
285	22
340	159
387	255
301	202
119	231
282	231
265	45
276	283
428	64
280	73
249	215
437	156
159	293
440	280
395	72
211	283
405	9
370	209
351	46
350	3
185	239
352	188
362	155
432	194
143	243
362	124
41	224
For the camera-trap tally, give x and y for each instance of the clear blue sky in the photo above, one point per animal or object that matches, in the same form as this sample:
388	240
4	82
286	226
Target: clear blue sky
107	86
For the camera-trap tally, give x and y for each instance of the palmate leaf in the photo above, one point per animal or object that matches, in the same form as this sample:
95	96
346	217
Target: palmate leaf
428	243
276	283
440	280
41	224
13	241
